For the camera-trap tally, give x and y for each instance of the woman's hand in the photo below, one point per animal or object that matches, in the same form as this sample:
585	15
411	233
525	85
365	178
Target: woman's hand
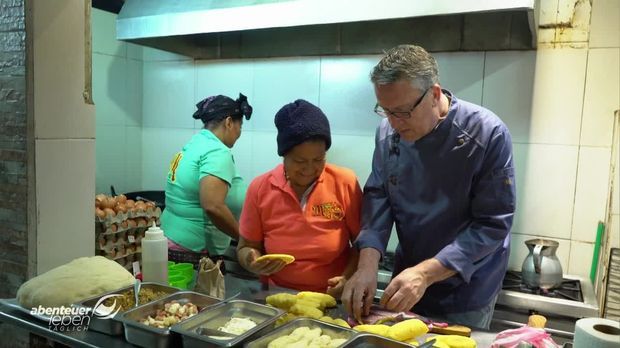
266	267
247	253
335	286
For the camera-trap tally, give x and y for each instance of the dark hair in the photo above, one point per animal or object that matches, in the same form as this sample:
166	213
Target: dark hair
215	109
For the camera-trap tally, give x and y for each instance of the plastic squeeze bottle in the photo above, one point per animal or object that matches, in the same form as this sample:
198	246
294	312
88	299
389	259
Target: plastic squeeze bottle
155	256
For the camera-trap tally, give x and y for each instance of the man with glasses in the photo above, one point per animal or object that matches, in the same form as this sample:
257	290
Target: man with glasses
442	171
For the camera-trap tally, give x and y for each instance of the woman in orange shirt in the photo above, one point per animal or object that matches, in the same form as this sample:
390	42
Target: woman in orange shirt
304	207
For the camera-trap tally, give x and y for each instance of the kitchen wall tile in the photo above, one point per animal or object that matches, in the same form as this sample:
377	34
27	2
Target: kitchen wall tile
614	231
242	152
103	27
158	147
605	24
133	109
133	159
110	90
281	81
615	203
548	12
346	94
508	84
65	171
228	78
462	73
134	51
264	152
519	251
545	181
580	259
111	154
558	96
354	152
591	192
156	55
168	99
602	96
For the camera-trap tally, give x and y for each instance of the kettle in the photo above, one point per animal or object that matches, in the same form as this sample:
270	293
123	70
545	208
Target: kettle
542	268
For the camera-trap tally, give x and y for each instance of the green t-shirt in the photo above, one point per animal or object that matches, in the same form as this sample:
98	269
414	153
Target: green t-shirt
184	221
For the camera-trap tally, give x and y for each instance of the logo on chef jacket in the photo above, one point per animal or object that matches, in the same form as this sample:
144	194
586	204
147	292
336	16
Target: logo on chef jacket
76	318
331	211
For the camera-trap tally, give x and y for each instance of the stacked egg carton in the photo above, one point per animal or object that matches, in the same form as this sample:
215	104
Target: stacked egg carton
120	225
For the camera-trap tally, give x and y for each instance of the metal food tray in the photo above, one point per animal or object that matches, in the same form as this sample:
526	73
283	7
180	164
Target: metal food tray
113	326
215	317
334	331
366	340
147	336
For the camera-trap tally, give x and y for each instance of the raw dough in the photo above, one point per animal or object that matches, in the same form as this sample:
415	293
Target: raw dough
77	280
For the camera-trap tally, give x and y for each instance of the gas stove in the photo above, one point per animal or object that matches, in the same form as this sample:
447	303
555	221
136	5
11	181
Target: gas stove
562	306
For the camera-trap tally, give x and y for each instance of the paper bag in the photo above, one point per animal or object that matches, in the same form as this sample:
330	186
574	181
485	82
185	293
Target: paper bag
210	280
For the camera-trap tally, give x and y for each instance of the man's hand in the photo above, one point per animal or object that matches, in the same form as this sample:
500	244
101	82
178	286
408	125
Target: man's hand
405	290
408	287
359	291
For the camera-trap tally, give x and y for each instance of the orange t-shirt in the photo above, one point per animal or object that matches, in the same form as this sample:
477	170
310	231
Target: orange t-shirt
318	236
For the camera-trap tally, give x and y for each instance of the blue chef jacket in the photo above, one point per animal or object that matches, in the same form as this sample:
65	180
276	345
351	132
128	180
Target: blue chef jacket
451	195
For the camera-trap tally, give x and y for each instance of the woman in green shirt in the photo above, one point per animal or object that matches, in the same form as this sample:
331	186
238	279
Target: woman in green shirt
204	192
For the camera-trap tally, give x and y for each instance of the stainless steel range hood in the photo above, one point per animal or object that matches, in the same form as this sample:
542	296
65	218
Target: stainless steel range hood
253	28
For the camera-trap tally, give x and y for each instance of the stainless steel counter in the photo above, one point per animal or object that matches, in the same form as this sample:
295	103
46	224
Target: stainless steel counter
249	289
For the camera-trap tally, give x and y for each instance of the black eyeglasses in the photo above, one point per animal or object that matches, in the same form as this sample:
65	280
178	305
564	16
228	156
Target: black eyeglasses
399	114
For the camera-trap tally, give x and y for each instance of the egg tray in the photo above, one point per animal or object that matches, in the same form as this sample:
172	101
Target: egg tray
120	217
101	228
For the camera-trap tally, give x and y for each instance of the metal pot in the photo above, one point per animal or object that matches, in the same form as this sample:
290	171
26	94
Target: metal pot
542	268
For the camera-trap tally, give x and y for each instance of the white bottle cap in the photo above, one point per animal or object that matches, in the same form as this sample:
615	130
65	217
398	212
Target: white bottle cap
154	233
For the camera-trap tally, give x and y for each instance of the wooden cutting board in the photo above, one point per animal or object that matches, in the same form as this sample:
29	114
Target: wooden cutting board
452	330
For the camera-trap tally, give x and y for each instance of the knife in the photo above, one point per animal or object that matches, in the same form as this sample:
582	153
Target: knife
427	344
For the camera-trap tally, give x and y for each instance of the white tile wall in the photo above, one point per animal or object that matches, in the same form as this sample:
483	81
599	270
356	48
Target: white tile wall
133	110
462	73
558	96
110	89
111	151
65	171
591	192
103	28
158	147
168	99
605	24
602	96
548	11
508	85
545	179
580	259
264	152
346	94
133	159
354	152
281	81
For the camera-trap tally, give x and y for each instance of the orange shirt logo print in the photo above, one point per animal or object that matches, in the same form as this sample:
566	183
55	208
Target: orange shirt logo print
174	164
331	211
